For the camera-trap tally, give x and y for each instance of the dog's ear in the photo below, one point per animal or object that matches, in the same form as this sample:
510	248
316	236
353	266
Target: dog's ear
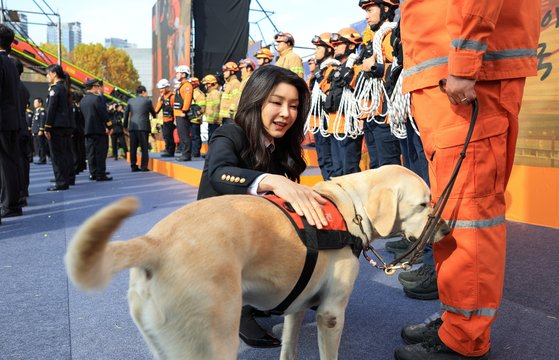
381	207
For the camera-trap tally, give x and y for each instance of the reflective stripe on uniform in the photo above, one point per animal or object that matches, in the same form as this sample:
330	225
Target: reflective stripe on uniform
468	313
476	224
488	56
465	44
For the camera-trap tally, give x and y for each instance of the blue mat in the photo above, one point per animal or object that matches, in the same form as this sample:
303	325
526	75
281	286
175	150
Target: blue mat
44	317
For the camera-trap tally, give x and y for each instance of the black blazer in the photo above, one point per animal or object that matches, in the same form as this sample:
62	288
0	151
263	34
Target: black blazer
58	112
95	114
225	171
10	112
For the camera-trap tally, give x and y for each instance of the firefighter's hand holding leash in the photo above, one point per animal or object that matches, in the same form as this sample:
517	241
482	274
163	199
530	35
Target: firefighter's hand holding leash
460	91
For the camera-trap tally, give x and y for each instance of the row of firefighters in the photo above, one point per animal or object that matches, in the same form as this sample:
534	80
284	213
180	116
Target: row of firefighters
356	95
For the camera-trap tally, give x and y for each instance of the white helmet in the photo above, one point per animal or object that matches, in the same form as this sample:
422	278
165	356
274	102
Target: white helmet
163	83
183	69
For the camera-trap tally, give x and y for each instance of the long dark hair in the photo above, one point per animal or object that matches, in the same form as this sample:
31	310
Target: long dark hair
62	75
288	149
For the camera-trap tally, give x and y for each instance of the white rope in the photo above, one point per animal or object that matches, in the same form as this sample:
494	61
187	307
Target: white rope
317	113
369	92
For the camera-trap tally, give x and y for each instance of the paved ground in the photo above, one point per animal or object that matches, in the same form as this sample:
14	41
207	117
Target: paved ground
42	316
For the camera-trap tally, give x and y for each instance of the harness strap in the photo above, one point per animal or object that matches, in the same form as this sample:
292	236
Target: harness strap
308	268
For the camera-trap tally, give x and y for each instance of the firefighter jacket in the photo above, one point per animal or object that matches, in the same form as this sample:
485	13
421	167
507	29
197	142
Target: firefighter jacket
183	99
482	40
198	105
290	61
58	110
165	103
229	98
38	123
95	114
212	107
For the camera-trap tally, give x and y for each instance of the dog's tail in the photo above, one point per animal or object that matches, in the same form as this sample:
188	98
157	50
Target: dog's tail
91	259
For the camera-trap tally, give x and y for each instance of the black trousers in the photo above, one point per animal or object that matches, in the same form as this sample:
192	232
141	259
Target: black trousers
97	147
185	146
139	138
9	175
78	150
61	156
118	141
167	129
26	156
196	139
41	147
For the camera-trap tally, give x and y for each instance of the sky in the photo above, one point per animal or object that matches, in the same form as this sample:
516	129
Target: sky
131	19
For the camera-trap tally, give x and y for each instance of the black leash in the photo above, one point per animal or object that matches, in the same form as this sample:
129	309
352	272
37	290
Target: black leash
416	249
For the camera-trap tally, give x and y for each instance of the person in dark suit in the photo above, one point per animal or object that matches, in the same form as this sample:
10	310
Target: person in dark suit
117	137
9	128
136	122
261	152
25	139
97	126
38	131
58	128
78	135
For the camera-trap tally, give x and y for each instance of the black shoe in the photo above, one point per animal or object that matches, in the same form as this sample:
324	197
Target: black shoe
57	188
52	180
166	154
253	334
40	162
265	341
92	177
72	182
397	245
410	278
107	173
183	159
11	213
144	170
104	178
433	349
415	334
196	155
135	169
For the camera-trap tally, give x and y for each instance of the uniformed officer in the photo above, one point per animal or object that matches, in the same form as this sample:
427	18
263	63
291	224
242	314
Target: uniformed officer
183	99
165	104
212	103
78	135
117	135
287	58
195	113
38	131
58	127
231	93
9	127
97	126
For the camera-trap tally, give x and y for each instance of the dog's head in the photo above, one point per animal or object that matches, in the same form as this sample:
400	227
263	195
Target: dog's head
394	199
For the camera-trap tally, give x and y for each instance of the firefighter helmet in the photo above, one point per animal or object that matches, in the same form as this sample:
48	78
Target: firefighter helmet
247	62
230	66
183	69
346	35
195	81
264	53
163	83
322	40
209	79
366	3
285	37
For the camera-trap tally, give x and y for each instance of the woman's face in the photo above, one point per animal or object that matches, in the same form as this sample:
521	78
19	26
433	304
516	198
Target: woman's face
50	77
279	111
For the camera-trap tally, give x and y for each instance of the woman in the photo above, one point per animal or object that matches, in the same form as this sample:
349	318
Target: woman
58	127
260	153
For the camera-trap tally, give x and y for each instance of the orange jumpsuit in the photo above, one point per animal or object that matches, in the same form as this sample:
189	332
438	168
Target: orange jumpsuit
494	42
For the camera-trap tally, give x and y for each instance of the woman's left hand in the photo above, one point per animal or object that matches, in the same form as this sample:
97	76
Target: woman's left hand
305	201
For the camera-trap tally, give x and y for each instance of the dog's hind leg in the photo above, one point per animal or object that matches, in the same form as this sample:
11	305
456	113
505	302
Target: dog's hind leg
290	335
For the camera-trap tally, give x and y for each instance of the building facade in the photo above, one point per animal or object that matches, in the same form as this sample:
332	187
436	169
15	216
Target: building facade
71	35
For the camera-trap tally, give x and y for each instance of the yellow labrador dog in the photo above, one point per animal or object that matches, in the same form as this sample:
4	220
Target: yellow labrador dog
186	301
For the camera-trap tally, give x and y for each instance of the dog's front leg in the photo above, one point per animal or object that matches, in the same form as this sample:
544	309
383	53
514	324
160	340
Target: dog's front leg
290	335
330	323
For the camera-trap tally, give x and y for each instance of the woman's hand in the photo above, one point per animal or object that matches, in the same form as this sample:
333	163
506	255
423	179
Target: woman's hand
305	201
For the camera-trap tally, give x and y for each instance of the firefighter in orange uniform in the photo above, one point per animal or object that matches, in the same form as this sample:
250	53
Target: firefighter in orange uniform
287	58
247	66
183	99
213	98
231	93
165	103
264	56
346	151
485	49
197	109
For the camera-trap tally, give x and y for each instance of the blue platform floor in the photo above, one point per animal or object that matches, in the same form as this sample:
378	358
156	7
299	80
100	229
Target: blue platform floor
42	316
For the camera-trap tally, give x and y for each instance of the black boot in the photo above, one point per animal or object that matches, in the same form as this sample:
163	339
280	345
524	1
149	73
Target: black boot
397	245
433	349
415	334
421	283
253	334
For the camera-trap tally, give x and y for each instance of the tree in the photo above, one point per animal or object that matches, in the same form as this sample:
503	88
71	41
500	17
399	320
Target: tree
112	65
53	48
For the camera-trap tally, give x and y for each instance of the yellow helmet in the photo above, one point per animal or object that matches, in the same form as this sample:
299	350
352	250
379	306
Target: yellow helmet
195	81
264	53
230	66
322	40
209	79
347	35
